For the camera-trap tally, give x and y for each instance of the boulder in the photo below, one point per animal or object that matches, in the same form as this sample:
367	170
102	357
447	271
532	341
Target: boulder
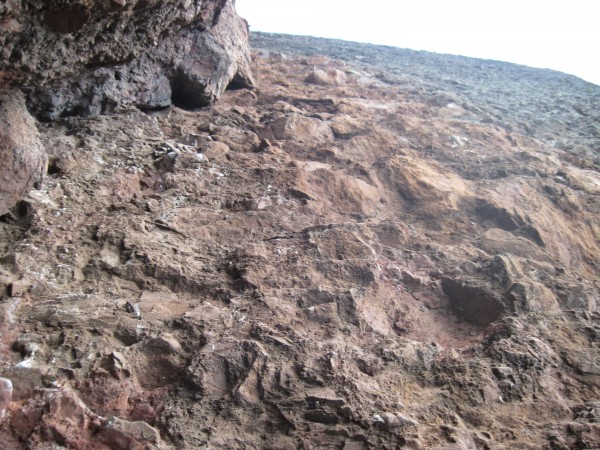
298	128
329	77
87	57
21	152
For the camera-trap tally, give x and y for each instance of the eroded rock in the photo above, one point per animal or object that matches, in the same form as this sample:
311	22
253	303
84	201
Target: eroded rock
91	57
22	154
288	269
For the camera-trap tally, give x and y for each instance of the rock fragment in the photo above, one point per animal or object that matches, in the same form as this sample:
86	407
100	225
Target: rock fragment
395	420
121	434
298	128
328	77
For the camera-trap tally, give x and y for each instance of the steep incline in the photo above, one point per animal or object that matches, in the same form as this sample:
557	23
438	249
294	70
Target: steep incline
359	254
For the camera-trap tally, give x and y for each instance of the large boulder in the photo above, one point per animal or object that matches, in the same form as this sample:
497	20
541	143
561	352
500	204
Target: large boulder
22	156
86	57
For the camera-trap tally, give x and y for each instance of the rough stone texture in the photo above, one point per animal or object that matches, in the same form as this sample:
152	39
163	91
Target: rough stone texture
22	156
391	263
330	77
86	57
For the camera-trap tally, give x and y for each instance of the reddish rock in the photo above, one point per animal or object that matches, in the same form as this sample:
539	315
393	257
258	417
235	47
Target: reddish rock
299	128
354	280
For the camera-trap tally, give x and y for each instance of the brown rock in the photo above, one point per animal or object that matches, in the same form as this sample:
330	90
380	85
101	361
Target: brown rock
19	288
24	381
121	434
292	297
58	409
473	303
299	129
21	152
346	127
329	77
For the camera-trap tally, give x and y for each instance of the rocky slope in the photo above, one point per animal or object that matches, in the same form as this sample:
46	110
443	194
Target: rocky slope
373	249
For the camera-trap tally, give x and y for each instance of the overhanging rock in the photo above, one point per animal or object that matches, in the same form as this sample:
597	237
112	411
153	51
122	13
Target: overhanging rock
87	57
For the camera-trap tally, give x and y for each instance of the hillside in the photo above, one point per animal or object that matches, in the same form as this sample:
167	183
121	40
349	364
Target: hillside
374	248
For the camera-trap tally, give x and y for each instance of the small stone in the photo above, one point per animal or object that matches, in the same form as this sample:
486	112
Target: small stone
119	366
215	151
346	127
201	157
324	397
24	381
133	308
299	128
19	288
377	419
264	144
153	205
502	372
506	384
457	141
392	420
409	279
121	434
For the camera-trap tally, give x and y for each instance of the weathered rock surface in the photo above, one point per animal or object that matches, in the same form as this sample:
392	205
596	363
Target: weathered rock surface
86	57
21	152
89	57
394	262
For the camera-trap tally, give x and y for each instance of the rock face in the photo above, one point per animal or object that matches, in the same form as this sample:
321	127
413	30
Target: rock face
21	152
86	57
389	262
89	57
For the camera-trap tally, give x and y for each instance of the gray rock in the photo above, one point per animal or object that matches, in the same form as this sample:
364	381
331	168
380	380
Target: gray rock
121	434
6	390
21	152
395	420
91	57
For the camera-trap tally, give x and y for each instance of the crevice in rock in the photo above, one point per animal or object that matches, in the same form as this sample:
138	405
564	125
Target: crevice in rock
473	304
188	93
238	82
54	167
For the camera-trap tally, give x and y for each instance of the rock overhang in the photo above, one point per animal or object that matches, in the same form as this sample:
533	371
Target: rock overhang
86	57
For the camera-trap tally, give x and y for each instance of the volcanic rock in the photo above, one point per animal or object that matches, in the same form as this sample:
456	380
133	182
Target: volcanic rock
409	260
93	56
22	154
